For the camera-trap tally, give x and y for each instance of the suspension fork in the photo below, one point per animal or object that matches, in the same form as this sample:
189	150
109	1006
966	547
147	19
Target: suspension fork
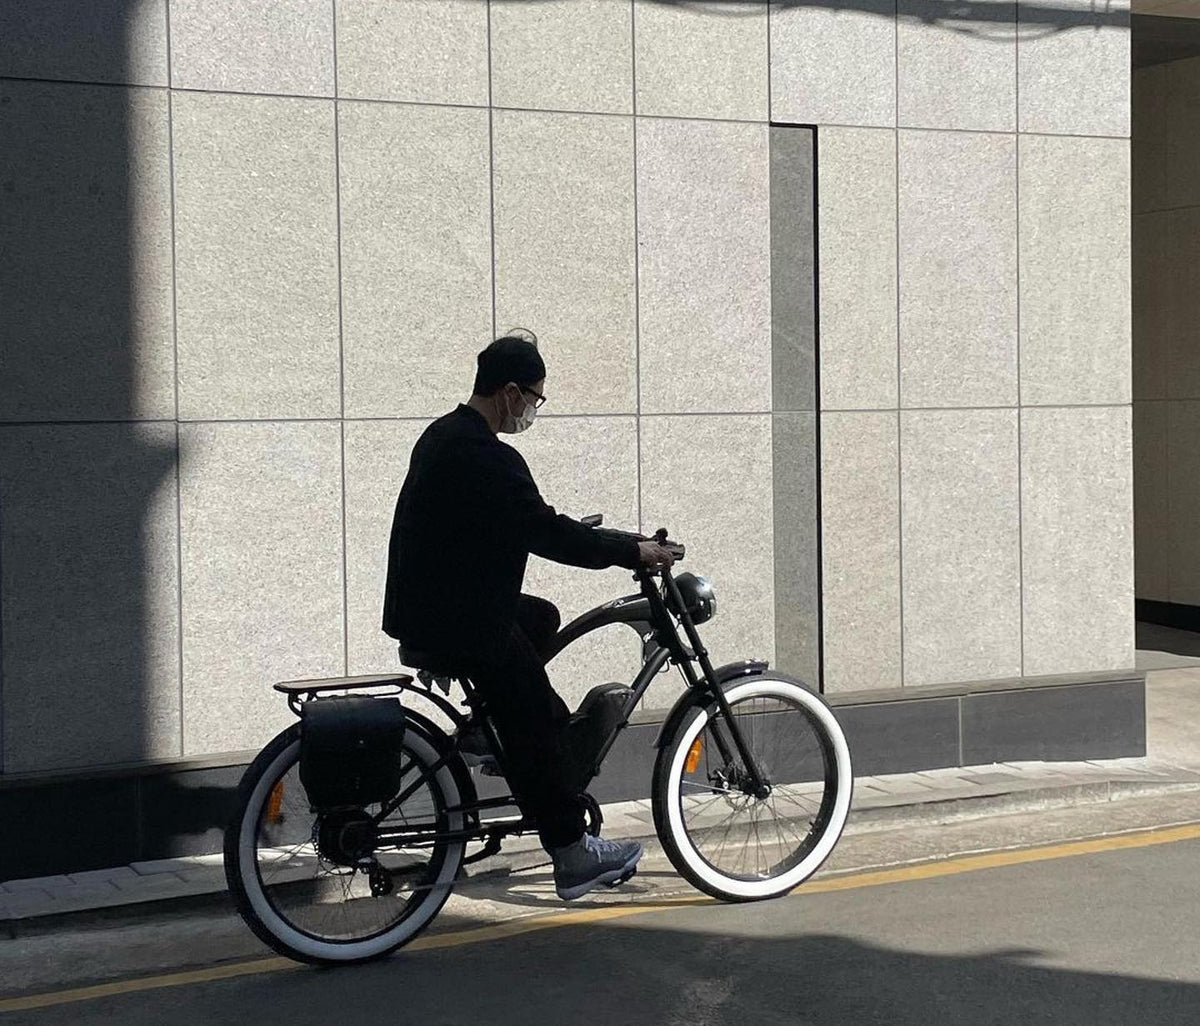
671	638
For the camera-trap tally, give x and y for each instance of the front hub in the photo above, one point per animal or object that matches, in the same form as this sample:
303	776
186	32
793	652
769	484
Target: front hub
736	778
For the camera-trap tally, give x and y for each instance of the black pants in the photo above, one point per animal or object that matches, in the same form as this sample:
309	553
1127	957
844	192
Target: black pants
531	721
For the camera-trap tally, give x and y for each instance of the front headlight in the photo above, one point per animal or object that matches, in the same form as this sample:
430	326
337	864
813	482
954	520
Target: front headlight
698	597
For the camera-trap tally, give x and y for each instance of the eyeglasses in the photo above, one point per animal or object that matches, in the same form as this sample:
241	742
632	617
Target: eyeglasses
537	397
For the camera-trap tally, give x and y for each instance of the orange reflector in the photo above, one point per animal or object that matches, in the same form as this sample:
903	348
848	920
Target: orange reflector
274	803
693	756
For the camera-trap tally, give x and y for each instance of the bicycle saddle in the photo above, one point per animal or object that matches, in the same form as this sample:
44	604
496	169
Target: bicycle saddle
435	664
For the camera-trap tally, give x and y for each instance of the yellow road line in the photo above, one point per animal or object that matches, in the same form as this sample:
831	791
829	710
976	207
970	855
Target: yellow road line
530	924
998	859
220	972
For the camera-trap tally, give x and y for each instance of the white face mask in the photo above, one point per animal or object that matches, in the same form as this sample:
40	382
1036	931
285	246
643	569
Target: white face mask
515	425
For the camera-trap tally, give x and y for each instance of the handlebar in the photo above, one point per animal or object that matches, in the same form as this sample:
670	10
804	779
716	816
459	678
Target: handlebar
677	549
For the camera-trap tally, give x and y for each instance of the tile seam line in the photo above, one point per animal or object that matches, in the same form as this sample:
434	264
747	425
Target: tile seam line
818	468
175	355
637	271
491	109
337	192
770	97
1017	346
899	361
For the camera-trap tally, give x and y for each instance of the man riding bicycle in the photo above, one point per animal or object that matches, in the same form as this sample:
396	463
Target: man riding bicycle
467	518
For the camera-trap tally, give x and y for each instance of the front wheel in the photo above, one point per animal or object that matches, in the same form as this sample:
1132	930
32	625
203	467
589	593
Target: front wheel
720	834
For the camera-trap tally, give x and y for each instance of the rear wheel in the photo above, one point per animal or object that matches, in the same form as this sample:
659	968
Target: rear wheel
320	888
719	834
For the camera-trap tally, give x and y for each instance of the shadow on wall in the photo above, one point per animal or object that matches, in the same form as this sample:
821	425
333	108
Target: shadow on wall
89	645
89	670
1036	19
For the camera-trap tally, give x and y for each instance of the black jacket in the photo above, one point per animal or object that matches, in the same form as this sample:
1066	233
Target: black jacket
466	520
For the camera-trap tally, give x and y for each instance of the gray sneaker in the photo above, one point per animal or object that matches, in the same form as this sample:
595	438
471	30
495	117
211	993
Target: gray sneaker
592	861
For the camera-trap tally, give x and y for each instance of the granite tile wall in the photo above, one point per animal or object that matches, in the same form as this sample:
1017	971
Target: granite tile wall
974	243
271	251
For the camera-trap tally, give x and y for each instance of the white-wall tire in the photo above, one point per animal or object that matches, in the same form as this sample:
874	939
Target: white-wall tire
668	777
242	872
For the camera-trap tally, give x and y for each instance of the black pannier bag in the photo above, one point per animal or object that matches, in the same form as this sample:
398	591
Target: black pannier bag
350	752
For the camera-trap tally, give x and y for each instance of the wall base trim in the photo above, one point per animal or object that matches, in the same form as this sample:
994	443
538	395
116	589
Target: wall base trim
73	822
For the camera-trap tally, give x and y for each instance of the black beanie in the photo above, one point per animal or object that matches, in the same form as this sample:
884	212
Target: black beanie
511	358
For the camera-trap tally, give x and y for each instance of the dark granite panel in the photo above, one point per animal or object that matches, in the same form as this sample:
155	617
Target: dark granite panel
797	545
901	737
68	828
1090	721
627	770
1157	39
794	401
793	279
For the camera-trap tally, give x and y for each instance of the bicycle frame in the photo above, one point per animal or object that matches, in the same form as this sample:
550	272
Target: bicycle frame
647	613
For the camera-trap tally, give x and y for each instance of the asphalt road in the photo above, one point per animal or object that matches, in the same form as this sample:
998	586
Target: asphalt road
1093	932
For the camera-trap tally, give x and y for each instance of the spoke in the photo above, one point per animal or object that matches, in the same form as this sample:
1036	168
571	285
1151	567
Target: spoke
287	853
778	831
758	839
788	789
704	804
780	738
803	810
708	787
743	851
786	823
725	838
327	900
797	810
271	868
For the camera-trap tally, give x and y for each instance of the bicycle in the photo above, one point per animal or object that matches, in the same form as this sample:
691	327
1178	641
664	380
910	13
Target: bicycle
352	884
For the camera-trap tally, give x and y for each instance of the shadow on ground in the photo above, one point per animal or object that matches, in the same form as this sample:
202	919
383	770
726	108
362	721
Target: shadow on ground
618	973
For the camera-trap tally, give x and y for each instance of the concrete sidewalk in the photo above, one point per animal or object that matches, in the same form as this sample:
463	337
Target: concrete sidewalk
1172	764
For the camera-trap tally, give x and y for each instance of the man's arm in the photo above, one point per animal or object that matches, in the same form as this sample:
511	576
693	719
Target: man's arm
541	530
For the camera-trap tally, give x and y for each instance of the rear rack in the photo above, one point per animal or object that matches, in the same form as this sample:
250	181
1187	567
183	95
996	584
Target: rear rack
297	690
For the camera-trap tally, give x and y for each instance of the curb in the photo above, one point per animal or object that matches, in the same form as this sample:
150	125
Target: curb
953	809
197	899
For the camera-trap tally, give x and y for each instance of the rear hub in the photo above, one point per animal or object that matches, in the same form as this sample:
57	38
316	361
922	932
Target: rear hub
345	837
